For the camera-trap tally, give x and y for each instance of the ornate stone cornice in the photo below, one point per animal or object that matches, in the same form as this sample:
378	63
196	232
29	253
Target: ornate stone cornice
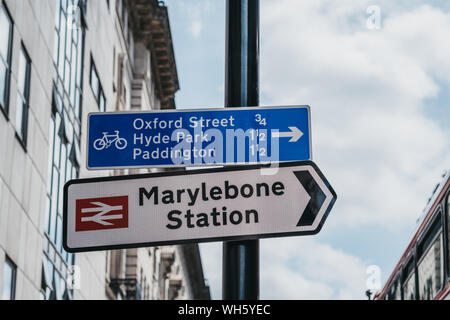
150	25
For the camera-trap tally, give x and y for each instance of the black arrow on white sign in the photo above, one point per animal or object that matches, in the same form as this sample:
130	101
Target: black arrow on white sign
317	197
231	203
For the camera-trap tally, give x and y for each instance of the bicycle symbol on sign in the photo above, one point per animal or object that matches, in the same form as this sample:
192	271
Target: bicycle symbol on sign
108	139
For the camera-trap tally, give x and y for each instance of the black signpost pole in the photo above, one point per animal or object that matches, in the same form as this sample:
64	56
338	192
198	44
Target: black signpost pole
240	279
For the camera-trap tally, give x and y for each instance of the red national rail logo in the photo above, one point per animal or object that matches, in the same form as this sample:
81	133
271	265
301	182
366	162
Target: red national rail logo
101	213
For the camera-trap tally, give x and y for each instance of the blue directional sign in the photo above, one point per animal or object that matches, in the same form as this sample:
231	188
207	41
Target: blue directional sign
198	137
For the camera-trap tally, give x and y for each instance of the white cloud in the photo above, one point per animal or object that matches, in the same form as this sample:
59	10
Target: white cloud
302	268
194	13
367	90
296	268
279	282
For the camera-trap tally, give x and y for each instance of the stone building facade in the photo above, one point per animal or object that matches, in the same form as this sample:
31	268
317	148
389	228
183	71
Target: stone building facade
59	61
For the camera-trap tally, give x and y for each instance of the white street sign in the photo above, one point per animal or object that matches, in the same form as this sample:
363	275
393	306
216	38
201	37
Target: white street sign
195	206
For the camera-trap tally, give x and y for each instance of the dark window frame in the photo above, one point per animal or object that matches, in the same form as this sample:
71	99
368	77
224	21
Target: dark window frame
427	239
100	94
429	234
398	283
23	136
446	223
409	270
5	108
13	266
63	165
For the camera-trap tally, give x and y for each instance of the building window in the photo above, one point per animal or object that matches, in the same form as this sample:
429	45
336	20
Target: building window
6	31
23	95
114	62
124	19
64	146
124	95
9	280
64	154
97	88
431	263
68	52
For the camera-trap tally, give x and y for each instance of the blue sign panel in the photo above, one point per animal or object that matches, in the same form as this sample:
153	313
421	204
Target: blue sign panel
198	137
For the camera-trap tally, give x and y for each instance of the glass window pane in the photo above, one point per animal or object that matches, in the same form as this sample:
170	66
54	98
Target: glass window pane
68	38
22	93
408	288
64	5
394	292
69	259
48	202
19	115
62	38
94	82
79	55
57	150
77	103
63	289
55	47
55	182
3	77
62	164
62	177
57	284
75	35
5	31
53	211
102	103
59	231
57	15
9	278
73	72
22	73
50	153
69	171
430	270
47	273
66	76
74	172
448	232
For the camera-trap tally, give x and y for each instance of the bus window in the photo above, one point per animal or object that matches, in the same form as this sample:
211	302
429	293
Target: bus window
430	266
409	282
394	292
448	233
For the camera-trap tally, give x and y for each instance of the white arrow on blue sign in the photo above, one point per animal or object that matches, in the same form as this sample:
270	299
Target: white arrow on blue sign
178	138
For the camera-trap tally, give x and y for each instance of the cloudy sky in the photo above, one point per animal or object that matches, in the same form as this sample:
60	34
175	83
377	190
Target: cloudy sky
380	110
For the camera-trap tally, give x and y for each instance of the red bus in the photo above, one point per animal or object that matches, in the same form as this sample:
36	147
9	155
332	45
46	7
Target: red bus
423	271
